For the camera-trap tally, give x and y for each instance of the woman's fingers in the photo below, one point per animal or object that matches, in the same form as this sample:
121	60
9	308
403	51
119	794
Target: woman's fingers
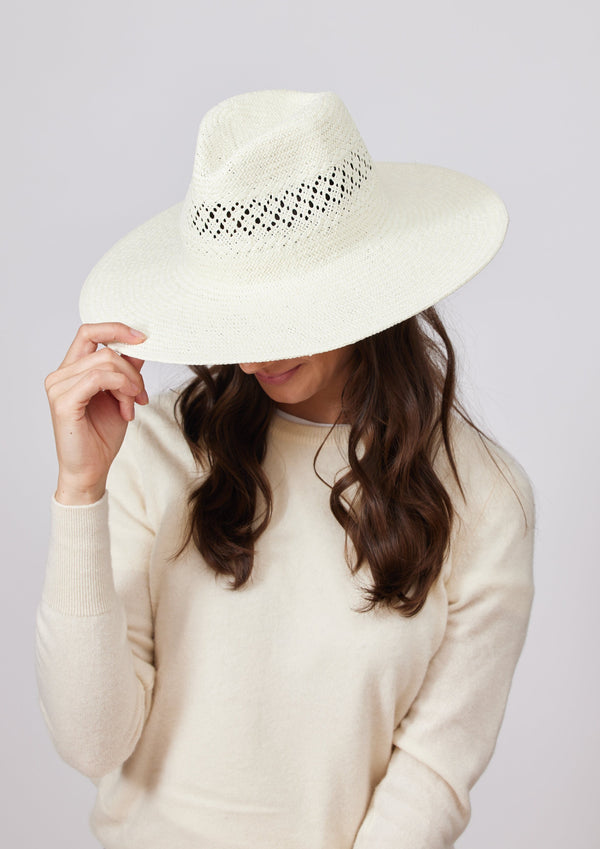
137	365
90	335
105	376
84	357
103	358
71	397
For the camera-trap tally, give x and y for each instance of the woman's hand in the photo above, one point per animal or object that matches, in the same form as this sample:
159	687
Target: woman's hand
92	396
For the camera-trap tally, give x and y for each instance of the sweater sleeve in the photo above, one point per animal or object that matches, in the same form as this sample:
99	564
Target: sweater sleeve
447	738
94	632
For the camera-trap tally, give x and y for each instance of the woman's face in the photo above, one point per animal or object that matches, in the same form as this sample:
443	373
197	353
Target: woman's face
309	387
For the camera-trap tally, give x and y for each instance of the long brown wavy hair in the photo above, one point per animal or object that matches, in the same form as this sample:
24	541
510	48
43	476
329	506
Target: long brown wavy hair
398	400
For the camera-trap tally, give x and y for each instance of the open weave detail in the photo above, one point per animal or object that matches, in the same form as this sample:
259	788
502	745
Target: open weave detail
327	197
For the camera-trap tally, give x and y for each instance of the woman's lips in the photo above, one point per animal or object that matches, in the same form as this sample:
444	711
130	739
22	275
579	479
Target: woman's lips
277	378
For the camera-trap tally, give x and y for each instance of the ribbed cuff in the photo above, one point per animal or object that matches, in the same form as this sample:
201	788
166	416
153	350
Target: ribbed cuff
78	580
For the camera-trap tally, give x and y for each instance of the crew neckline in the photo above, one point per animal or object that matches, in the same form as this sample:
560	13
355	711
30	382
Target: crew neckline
304	430
293	418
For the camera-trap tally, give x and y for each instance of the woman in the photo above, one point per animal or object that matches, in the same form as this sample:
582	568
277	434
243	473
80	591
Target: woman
283	604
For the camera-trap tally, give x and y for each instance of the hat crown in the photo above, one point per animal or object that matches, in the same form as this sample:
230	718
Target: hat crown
274	168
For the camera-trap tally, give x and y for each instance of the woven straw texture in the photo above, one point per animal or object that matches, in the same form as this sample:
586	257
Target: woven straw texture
291	240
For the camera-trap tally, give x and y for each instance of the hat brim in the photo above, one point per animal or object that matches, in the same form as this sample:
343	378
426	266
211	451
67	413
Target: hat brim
443	227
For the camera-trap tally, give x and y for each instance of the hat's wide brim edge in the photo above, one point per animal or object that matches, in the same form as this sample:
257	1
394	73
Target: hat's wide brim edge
442	229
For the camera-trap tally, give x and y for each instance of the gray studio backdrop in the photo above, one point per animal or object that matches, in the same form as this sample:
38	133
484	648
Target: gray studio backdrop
101	106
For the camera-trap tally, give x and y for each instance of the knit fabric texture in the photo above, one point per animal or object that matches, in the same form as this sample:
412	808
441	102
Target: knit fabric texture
277	716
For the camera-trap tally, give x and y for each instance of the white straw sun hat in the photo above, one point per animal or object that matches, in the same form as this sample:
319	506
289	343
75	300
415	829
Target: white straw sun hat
291	240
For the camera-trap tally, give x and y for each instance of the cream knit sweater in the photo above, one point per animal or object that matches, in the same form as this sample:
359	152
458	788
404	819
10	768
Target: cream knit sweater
276	717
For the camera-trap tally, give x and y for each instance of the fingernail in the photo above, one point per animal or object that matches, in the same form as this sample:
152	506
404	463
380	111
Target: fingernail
137	333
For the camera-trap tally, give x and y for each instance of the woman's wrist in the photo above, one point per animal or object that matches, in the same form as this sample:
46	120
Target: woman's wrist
72	496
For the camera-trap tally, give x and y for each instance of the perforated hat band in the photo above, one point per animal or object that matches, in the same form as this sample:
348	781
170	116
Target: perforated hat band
328	195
